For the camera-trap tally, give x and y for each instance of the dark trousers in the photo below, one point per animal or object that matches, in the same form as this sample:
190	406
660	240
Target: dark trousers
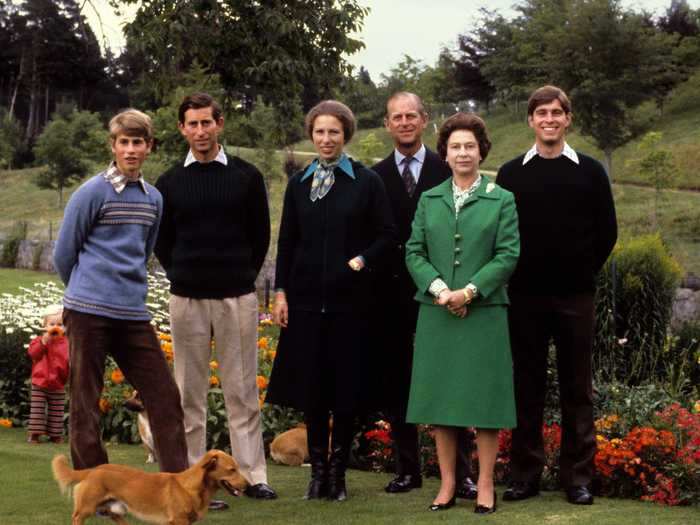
407	449
568	321
134	346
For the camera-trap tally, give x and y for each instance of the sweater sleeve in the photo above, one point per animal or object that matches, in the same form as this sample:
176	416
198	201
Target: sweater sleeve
166	231
383	222
78	218
605	220
288	238
153	233
258	219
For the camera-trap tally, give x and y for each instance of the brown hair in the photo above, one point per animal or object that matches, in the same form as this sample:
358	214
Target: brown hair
468	122
198	101
132	123
408	94
545	95
334	109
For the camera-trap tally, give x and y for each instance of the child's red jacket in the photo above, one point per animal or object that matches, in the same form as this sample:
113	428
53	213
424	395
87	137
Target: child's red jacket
49	362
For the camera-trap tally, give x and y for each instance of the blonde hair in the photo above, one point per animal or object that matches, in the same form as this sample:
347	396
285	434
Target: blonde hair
51	311
132	123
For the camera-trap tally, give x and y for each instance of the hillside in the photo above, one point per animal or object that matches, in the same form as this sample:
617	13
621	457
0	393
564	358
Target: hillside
679	215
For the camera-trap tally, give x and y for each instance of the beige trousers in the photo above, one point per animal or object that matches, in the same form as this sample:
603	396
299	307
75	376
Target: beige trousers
234	323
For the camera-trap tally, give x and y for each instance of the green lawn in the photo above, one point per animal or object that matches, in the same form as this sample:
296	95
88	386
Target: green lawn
11	280
31	497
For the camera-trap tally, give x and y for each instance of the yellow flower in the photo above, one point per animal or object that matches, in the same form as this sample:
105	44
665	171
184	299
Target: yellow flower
696	407
263	343
213	365
5	423
117	376
213	381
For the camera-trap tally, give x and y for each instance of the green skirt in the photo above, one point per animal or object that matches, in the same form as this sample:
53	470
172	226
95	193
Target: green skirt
462	369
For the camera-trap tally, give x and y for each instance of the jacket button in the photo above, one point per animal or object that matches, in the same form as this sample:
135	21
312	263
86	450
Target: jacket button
457	236
457	263
458	249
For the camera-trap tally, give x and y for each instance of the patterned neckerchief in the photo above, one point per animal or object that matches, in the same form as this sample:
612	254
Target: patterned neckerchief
461	196
323	179
119	181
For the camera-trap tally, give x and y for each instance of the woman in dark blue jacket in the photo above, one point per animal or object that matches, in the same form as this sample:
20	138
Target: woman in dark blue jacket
336	228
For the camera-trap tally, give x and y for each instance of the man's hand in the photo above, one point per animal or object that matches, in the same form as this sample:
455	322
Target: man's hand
280	312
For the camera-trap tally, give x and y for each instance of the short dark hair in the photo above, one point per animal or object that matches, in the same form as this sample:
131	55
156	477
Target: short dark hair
199	100
545	95
335	109
468	122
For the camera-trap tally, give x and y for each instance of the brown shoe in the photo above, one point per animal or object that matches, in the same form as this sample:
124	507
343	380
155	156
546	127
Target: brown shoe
56	439
33	439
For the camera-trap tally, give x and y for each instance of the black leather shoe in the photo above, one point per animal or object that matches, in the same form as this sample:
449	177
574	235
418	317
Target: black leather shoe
579	495
217	504
404	483
466	489
442	506
260	491
483	509
520	490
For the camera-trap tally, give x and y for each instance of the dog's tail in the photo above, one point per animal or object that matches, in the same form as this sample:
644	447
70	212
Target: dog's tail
64	475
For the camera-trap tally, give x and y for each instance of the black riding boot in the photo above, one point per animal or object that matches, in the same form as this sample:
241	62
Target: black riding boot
317	440
340	453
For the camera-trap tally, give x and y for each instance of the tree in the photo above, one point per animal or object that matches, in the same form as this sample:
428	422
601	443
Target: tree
259	49
608	59
10	139
368	102
657	167
66	145
369	148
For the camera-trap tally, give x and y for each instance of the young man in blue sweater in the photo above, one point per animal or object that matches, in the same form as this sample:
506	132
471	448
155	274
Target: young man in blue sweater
108	232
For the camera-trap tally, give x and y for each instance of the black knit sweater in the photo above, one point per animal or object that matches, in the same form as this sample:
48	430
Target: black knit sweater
215	229
567	223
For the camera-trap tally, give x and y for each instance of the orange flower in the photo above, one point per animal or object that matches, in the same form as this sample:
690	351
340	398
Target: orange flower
213	365
164	337
262	382
263	343
213	381
117	376
5	423
105	405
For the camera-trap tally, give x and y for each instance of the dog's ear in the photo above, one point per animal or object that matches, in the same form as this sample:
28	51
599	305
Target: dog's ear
211	463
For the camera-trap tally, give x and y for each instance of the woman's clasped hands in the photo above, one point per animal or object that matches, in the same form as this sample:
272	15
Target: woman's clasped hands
455	301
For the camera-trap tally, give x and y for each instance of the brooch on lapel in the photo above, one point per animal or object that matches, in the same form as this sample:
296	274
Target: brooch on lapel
490	187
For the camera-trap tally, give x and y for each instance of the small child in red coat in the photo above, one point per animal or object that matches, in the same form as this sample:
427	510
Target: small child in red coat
49	354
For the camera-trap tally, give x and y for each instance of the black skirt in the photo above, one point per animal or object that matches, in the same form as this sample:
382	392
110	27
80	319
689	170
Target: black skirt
323	362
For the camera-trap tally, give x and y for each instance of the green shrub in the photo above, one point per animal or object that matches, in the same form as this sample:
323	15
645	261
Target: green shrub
636	289
11	246
15	372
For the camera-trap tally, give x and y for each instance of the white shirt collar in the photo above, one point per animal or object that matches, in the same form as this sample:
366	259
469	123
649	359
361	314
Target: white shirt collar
568	152
220	157
119	181
418	155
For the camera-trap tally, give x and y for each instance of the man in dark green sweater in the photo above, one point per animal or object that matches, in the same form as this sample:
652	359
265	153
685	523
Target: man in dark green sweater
212	243
567	231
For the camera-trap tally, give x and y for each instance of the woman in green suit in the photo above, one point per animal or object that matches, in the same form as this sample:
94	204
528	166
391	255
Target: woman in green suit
463	248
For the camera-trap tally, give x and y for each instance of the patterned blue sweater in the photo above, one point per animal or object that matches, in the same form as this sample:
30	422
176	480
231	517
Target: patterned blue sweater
103	246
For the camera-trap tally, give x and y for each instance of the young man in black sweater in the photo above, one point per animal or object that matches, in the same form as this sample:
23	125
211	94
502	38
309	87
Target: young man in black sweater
212	243
567	231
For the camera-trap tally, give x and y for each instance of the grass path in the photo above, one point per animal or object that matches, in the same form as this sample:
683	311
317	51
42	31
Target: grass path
31	497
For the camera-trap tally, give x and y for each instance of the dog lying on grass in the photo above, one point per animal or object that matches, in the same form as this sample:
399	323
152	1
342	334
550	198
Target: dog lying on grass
290	447
175	499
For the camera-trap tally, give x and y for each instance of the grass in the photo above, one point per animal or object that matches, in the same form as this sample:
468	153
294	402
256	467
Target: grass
31	497
11	279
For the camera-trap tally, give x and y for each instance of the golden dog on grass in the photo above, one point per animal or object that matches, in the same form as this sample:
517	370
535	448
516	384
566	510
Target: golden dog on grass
173	499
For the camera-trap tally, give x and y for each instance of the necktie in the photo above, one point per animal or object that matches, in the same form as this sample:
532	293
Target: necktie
408	180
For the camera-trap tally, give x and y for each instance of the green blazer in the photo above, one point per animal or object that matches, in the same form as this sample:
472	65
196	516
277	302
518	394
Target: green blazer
481	246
